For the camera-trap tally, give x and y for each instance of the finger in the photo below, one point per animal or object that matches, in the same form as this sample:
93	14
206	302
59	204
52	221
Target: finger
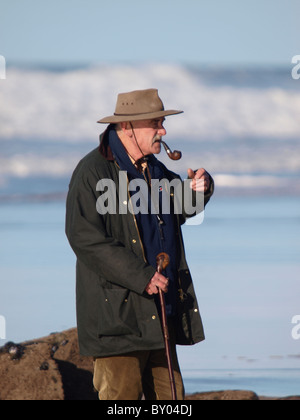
164	288
191	173
163	279
157	282
162	285
197	185
151	290
201	173
160	278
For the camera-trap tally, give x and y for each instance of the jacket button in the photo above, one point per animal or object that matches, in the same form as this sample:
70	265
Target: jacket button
134	241
154	317
195	310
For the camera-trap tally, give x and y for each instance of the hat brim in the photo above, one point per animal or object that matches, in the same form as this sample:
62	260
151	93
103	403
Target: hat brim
138	117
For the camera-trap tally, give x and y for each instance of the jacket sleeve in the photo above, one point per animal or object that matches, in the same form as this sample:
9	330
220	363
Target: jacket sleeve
189	202
197	201
101	253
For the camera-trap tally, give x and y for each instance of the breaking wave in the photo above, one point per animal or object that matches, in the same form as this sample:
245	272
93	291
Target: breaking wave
242	125
40	104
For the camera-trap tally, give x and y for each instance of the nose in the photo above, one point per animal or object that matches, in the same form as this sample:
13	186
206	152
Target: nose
161	130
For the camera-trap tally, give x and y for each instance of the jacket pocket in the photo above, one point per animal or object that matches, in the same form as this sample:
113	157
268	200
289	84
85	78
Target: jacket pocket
117	313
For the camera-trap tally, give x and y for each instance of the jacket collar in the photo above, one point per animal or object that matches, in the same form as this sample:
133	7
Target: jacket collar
104	147
106	151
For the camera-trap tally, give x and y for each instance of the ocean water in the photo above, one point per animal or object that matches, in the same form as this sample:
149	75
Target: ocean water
37	271
242	125
264	382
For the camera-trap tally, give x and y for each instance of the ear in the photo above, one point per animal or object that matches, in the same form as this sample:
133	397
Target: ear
126	129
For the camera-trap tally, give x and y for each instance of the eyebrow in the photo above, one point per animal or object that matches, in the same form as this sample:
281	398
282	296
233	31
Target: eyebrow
162	119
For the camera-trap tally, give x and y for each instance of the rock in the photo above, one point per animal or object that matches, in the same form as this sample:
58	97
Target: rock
224	395
23	380
51	368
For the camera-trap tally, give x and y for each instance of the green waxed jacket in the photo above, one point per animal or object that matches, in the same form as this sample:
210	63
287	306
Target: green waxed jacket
114	314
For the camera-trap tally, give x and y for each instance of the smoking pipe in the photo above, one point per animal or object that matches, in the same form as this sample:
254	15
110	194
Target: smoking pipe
176	155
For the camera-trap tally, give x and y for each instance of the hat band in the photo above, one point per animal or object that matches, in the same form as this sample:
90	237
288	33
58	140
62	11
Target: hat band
136	113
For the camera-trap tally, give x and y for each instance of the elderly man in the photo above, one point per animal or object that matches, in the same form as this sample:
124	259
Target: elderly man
118	313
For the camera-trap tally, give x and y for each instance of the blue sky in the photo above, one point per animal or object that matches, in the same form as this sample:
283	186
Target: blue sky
221	32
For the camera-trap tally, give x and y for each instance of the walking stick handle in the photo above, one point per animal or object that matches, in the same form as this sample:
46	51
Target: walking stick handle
163	261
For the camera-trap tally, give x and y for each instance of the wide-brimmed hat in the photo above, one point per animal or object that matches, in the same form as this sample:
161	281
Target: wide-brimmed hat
138	105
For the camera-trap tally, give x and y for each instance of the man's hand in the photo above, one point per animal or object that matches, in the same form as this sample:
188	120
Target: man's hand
200	180
158	281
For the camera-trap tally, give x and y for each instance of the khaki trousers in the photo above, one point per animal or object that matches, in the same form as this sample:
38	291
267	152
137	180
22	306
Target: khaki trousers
130	376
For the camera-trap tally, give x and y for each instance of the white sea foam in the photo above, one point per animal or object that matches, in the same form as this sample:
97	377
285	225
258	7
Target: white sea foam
31	165
250	181
22	166
236	130
36	104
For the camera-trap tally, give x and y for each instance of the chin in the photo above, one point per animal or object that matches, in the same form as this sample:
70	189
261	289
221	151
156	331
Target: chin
156	149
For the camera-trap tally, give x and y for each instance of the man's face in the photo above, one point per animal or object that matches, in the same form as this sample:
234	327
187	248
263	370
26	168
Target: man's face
148	134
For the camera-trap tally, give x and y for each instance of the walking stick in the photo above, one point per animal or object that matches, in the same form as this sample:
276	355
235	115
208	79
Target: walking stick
163	261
